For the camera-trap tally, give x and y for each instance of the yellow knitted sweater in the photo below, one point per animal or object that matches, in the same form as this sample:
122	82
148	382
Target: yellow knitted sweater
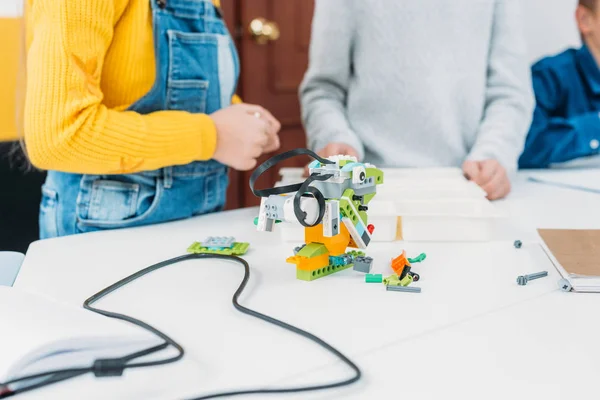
88	61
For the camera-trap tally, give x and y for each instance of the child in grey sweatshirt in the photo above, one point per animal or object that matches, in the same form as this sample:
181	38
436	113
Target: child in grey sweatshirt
420	83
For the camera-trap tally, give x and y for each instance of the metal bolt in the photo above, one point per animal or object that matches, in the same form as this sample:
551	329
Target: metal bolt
518	244
522	280
411	289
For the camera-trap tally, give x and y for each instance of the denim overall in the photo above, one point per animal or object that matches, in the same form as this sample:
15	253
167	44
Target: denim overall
197	69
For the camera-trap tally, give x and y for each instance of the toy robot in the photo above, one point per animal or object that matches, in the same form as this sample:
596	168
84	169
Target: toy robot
332	205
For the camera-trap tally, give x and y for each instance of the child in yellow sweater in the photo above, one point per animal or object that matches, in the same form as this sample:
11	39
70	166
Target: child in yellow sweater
128	105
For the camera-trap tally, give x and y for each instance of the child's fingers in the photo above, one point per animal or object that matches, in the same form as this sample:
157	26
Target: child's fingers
489	169
263	113
493	185
501	190
471	170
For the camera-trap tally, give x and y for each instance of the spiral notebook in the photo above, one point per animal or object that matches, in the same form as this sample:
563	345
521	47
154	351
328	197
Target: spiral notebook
576	255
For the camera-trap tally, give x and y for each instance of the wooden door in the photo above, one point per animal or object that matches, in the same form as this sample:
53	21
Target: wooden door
272	72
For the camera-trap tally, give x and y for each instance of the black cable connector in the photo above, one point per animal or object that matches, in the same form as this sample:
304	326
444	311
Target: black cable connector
108	367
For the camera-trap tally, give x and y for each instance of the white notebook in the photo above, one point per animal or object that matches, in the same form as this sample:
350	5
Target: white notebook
39	335
576	255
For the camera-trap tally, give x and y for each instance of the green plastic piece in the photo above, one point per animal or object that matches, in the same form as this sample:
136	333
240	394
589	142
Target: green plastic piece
238	249
393	280
312	250
355	253
377	174
374	278
277	221
408	279
320	273
418	259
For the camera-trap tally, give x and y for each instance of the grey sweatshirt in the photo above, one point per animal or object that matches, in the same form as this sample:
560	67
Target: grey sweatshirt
419	83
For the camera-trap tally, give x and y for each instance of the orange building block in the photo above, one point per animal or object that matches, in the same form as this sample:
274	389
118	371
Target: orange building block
336	245
399	263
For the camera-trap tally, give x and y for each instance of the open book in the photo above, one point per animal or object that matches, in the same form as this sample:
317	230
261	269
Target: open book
40	335
576	254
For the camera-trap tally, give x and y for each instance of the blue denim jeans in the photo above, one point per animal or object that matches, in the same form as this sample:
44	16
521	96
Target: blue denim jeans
197	69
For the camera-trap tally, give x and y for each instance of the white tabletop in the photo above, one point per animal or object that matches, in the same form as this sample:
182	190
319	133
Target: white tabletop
472	332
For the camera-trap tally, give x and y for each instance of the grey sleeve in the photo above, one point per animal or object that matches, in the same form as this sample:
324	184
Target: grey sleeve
509	95
324	89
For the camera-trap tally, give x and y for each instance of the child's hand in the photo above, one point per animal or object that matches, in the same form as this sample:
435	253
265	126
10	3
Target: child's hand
334	149
490	175
244	133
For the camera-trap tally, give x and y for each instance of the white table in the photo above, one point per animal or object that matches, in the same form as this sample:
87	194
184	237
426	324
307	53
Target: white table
472	333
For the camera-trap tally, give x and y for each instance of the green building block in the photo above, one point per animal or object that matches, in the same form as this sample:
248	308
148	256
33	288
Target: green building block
238	249
320	273
418	259
374	278
355	253
313	250
393	280
377	174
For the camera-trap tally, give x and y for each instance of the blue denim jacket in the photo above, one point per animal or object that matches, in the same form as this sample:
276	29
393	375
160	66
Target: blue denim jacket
566	121
197	69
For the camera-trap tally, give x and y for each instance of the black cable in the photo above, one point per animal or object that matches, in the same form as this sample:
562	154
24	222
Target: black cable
273	161
306	188
112	367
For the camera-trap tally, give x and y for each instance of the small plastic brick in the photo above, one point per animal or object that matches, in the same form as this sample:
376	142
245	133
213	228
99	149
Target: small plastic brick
371	228
418	259
237	249
374	278
407	280
399	263
518	244
363	264
391	280
522	280
409	289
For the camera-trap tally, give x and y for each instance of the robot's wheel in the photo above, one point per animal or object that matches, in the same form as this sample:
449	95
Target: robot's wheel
416	277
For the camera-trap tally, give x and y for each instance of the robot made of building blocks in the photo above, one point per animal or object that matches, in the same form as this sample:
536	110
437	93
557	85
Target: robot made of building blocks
332	205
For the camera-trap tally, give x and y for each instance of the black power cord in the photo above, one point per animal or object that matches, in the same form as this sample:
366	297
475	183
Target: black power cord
301	189
115	367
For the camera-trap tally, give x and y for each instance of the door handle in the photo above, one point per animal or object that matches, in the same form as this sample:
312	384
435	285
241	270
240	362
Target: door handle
264	31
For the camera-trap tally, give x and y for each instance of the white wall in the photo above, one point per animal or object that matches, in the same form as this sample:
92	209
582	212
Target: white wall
11	8
549	26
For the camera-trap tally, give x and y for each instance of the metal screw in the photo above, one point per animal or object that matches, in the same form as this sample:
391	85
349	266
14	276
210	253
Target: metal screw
411	289
522	280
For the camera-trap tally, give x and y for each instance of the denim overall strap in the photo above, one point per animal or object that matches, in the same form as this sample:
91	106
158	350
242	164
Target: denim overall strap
197	69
